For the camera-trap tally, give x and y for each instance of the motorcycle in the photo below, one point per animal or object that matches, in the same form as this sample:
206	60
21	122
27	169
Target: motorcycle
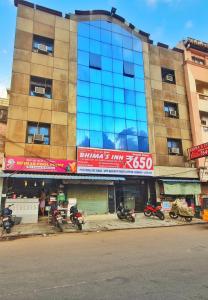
126	214
7	219
151	210
179	210
76	217
58	219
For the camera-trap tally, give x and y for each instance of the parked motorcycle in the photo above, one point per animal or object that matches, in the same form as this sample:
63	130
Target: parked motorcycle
151	210
76	217
126	214
58	219
179	210
7	219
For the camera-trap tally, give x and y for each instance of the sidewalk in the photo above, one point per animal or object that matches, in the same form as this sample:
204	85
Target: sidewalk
96	223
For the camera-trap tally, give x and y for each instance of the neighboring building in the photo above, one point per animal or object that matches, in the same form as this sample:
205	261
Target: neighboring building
91	80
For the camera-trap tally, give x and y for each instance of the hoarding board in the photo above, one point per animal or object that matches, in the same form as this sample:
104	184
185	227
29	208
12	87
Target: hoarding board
198	151
104	161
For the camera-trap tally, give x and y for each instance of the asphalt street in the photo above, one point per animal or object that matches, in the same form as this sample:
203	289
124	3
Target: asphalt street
153	264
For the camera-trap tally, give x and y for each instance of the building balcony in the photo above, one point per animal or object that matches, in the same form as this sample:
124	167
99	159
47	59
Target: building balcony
203	102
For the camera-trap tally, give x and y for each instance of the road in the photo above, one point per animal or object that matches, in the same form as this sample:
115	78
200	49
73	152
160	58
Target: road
153	264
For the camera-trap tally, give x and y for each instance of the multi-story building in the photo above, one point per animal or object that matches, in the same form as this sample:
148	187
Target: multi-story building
89	86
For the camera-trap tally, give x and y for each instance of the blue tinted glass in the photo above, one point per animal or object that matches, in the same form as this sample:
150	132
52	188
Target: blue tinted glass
137	45
95	106
108	124
95	61
83	58
129	83
141	113
95	122
83	121
118	80
129	97
83	73
95	33
131	127
138	59
95	75
118	95
107	93
106	50
83	88
119	110
83	104
96	139
108	108
107	63
116	39
44	130
132	143
83	138
95	90
140	99
120	142
46	140
127	42
106	25
139	72
120	126
125	32
128	55
95	23
105	36
95	47
107	78
83	29
32	129
130	112
143	144
108	140
128	69
117	66
117	52
139	85
142	129
83	43
116	28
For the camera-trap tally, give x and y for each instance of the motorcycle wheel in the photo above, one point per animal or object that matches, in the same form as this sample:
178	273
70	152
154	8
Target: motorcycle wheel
160	215
119	216
173	215
79	226
8	230
188	219
131	219
147	213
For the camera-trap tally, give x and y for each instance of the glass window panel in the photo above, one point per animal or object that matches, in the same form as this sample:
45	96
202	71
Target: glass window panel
106	50
83	58
118	95
83	104
107	92
44	130
120	126
128	69
106	36
95	47
119	110
116	39
128	55
95	33
83	121
95	106
140	99
83	73
95	122
95	90
108	140
139	71
141	113
125	32
83	138
131	127
96	139
108	124
118	80
83	88
83	43
129	97
117	66
107	78
95	75
142	129
137	45
143	144
95	61
116	28
95	23
120	142
138	58
83	29
108	108
139	85
127	42
117	52
107	63
106	25
130	112
129	83
32	129
132	142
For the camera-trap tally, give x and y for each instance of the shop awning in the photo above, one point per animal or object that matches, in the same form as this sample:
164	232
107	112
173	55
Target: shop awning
180	180
181	186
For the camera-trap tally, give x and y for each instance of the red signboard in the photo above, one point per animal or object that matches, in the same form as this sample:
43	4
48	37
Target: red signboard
32	164
198	151
103	161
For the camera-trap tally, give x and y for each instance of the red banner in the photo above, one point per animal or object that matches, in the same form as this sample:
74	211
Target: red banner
32	164
198	151
103	161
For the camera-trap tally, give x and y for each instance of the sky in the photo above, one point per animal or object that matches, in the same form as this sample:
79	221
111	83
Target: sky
167	21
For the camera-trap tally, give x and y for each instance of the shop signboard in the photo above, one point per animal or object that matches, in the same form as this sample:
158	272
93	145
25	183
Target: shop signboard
103	161
33	164
198	151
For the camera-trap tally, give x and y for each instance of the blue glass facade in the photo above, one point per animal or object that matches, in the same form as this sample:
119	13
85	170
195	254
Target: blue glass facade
111	103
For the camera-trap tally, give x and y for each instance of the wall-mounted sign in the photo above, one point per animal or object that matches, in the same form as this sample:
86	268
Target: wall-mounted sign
198	151
33	164
103	161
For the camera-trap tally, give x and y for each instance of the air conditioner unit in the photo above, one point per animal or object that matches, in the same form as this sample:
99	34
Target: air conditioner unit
203	122
173	113
169	77
38	138
3	115
42	48
174	150
40	90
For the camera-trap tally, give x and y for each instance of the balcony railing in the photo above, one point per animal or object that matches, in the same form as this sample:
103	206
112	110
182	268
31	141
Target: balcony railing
203	96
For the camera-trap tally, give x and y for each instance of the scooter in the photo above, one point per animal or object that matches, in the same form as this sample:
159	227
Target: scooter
76	217
151	210
7	219
178	210
126	214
